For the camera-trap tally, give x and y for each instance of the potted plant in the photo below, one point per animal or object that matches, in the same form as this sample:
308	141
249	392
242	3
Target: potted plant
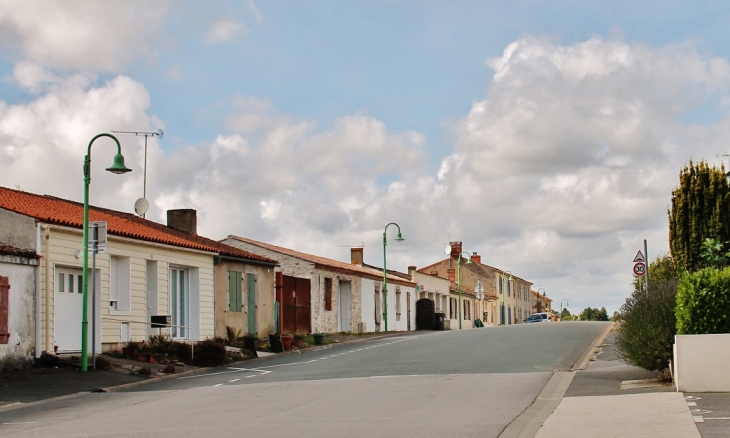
299	340
287	341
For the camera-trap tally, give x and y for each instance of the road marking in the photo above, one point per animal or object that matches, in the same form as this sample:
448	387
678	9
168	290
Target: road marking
219	384
698	418
234	380
691	397
19	422
718	418
691	404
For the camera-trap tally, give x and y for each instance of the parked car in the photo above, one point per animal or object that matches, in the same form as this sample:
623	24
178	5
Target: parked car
538	317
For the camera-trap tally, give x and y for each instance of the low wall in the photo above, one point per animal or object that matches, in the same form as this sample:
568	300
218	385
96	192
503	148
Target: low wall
701	363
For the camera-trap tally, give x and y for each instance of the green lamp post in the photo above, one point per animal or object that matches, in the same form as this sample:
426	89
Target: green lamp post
561	306
458	275
117	167
398	238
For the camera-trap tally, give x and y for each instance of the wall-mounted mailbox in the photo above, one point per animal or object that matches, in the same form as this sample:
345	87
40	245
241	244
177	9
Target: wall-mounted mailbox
159	321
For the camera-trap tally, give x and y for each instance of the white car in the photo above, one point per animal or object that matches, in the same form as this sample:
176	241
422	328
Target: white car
538	317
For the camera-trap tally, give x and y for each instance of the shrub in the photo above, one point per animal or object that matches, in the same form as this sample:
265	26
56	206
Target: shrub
646	333
703	302
209	353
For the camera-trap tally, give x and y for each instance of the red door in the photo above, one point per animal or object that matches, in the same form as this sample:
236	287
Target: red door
295	305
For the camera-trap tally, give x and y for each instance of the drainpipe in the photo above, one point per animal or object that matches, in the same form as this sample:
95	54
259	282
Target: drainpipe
38	293
47	256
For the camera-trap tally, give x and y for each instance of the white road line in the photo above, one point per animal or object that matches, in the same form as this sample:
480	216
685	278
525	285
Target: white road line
234	380
698	418
20	422
718	418
219	384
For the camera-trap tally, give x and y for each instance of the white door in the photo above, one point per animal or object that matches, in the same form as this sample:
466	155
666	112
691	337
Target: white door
68	304
345	307
179	303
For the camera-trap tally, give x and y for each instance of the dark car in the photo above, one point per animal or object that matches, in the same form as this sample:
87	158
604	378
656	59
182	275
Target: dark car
538	317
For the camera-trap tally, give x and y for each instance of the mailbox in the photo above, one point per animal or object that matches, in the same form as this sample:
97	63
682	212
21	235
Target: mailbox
159	321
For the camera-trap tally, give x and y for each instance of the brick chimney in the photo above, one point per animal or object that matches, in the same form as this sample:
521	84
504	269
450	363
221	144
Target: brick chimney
412	272
476	258
184	219
455	250
356	255
451	273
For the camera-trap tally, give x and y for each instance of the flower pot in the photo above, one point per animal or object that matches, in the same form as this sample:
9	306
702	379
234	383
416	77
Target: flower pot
299	343
287	341
318	338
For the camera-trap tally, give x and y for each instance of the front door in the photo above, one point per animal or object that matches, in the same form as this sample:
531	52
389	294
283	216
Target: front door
296	305
179	303
251	304
68	304
345	309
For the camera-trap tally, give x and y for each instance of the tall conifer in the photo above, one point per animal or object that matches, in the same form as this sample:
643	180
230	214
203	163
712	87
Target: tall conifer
700	209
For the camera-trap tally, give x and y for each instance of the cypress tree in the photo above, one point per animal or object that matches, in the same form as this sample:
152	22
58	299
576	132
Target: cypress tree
700	209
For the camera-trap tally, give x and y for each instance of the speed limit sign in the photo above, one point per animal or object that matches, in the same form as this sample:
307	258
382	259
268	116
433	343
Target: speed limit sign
639	269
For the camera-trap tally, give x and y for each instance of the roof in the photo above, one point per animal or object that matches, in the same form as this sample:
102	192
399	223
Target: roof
429	268
20	252
58	211
323	262
543	296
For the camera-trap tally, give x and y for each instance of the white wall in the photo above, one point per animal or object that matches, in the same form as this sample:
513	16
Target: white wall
701	363
18	352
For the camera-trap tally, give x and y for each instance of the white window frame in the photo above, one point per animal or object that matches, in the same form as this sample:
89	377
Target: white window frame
120	285
178	317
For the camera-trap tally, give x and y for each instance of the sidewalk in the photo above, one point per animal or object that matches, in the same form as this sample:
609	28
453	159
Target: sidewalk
613	399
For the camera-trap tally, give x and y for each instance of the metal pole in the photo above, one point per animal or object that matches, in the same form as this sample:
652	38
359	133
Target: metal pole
458	269
84	321
95	232
385	281
646	274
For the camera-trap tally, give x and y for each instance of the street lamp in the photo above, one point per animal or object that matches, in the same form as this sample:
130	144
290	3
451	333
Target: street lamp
398	238
117	167
561	306
537	305
509	281
458	270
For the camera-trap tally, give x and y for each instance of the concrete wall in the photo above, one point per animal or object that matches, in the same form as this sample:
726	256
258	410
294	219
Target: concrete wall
18	352
265	298
17	230
701	363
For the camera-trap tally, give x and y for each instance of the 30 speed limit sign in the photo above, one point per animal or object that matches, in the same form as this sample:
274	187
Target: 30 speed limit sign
639	269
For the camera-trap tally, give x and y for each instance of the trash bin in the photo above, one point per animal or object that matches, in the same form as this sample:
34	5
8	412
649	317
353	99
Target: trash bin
439	323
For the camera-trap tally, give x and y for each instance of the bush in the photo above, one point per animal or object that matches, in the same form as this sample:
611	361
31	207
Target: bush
703	302
646	333
209	353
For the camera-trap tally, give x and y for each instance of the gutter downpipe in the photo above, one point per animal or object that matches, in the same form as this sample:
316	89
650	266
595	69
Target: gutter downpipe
47	255
38	294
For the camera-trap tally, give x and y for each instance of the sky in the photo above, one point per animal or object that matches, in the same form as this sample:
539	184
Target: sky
545	136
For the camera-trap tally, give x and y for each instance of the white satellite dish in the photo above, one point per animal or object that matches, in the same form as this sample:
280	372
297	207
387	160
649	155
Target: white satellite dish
141	206
447	250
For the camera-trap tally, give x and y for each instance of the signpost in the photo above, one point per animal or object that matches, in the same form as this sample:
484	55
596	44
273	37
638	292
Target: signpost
639	269
641	266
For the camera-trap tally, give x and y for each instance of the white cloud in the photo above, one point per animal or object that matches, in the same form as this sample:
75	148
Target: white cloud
224	30
81	35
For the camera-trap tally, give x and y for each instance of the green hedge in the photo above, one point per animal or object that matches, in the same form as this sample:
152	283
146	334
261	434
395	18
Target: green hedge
703	302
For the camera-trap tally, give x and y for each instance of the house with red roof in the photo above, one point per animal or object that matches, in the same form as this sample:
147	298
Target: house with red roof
322	295
147	269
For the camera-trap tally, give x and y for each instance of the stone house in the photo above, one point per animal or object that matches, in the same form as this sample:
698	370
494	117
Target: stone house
321	295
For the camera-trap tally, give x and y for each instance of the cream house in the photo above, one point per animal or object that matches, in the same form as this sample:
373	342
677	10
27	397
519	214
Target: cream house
147	269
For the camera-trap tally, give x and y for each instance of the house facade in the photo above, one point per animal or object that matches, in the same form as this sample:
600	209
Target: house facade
506	296
146	269
321	295
18	282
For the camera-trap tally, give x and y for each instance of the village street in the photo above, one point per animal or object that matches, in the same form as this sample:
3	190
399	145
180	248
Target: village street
466	383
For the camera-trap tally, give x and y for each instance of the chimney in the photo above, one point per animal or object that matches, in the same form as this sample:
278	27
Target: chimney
476	258
451	272
412	272
356	255
455	250
184	219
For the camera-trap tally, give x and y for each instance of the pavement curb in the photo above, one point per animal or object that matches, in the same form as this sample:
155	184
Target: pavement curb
585	359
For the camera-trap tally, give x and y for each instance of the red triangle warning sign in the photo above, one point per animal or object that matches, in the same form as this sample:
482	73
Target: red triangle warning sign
639	258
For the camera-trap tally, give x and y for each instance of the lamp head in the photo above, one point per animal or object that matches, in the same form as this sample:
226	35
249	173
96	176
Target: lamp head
118	167
468	261
399	238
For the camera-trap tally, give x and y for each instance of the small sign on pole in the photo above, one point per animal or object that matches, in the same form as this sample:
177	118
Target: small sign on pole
639	269
97	237
639	258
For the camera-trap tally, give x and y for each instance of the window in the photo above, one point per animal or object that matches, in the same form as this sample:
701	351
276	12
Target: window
327	294
377	305
235	293
467	310
453	308
179	302
397	303
119	283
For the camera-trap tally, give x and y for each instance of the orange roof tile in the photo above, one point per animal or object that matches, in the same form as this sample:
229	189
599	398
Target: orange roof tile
53	210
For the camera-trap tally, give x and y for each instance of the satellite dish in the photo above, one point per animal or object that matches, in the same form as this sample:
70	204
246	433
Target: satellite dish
141	206
447	250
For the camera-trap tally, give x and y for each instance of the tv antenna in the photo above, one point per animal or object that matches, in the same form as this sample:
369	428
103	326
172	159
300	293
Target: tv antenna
141	206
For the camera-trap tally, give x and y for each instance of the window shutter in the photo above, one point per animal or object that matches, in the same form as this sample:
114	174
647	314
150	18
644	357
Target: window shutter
4	310
234	291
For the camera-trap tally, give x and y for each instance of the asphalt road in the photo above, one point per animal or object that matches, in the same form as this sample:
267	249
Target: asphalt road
461	383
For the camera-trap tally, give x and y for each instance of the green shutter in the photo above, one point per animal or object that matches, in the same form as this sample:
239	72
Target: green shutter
234	291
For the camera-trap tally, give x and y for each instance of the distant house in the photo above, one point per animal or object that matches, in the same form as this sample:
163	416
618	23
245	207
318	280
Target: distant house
540	302
18	288
147	269
317	294
505	302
